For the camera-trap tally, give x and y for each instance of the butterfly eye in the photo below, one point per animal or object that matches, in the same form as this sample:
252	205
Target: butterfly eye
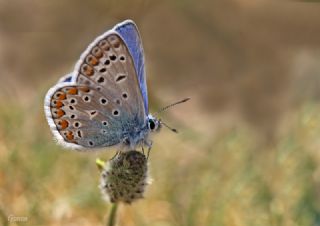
152	125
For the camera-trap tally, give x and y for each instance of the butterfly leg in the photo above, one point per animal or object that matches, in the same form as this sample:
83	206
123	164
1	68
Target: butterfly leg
115	155
142	150
148	143
149	149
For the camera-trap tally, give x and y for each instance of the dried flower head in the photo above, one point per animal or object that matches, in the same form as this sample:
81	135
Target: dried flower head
124	177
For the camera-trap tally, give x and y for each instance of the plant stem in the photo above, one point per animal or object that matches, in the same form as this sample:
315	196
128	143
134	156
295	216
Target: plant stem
112	215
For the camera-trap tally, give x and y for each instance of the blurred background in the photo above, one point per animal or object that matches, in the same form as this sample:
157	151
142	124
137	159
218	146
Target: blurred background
248	148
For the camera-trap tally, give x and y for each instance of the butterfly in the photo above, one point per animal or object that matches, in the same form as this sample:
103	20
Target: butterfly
104	101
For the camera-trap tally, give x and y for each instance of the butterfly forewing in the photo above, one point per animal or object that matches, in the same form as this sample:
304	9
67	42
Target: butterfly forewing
105	102
130	34
109	68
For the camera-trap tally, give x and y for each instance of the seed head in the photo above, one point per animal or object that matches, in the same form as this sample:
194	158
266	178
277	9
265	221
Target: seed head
124	177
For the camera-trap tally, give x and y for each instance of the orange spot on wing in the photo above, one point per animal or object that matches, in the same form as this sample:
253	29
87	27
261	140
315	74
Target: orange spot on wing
92	60
97	52
59	104
60	113
63	124
69	135
62	96
85	89
116	44
73	91
88	70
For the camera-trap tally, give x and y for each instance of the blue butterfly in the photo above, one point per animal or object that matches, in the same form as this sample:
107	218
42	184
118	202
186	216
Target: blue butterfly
104	101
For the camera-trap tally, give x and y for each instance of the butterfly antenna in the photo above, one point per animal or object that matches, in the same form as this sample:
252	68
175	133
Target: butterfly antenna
170	128
171	105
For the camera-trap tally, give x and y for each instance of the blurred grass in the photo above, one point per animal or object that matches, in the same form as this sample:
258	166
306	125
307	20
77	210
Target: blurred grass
226	180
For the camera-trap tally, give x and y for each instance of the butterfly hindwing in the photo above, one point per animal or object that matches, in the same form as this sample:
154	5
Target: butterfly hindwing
80	119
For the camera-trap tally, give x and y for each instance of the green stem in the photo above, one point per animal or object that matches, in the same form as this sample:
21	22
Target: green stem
112	215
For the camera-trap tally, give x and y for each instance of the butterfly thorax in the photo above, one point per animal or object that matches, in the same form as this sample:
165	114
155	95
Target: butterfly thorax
140	137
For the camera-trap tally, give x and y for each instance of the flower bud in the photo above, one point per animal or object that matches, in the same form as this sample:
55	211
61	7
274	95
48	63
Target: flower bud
124	177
